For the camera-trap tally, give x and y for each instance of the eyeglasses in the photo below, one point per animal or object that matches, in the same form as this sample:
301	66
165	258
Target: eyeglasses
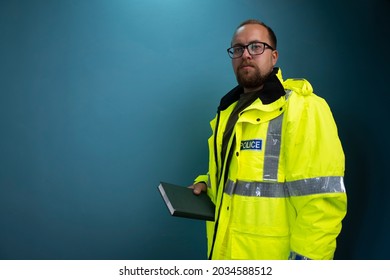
254	48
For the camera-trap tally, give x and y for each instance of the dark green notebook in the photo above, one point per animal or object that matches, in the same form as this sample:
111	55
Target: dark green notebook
182	202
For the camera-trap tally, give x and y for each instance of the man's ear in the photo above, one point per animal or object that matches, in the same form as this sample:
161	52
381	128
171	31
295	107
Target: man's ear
275	56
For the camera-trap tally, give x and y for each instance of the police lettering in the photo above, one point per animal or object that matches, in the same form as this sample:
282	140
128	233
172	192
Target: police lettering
254	144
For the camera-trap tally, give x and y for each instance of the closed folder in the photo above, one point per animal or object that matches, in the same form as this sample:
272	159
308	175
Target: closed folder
182	202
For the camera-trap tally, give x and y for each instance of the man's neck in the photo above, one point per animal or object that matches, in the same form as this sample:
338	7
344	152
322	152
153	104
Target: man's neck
246	90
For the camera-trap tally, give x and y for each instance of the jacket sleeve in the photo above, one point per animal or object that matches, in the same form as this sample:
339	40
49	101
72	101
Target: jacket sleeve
210	177
314	177
201	178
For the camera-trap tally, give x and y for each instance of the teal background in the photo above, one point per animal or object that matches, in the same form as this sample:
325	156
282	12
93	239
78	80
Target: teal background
101	100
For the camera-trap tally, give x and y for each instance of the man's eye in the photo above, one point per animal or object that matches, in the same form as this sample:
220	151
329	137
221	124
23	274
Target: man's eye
237	50
256	47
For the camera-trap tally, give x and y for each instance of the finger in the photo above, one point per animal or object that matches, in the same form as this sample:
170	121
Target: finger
197	190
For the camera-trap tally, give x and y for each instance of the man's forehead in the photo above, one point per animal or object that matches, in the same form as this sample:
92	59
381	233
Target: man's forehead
249	33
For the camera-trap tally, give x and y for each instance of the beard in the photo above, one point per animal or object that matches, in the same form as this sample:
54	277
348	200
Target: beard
250	79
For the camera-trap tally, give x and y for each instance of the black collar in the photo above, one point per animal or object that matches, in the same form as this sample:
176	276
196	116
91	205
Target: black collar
271	91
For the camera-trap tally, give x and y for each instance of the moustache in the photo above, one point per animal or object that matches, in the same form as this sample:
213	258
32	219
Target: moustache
245	64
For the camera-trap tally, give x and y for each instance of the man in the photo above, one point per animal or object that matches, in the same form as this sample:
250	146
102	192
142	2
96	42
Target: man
276	163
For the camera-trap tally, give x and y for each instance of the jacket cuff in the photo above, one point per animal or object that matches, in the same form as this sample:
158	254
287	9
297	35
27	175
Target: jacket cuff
296	256
202	178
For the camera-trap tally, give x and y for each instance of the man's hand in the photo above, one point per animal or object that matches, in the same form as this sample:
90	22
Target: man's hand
198	188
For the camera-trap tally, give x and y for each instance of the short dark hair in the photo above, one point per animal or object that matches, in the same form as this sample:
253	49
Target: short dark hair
271	33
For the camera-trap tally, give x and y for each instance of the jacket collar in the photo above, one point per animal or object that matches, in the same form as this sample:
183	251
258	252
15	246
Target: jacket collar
272	91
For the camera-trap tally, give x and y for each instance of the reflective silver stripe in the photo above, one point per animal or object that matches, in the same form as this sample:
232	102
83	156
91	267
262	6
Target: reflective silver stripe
295	256
272	149
320	185
256	189
288	93
316	186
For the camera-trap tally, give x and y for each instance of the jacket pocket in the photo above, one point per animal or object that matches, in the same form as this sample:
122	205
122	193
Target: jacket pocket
271	245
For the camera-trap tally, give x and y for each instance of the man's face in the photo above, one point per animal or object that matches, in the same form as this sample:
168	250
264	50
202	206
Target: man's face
251	71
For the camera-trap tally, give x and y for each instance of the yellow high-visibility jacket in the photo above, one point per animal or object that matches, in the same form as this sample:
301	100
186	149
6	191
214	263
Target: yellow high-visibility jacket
280	194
